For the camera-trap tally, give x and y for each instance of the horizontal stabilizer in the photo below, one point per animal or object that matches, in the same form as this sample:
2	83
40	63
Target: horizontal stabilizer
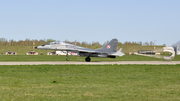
118	53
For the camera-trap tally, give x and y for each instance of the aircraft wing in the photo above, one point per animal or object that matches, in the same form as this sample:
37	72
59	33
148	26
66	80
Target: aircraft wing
85	50
88	51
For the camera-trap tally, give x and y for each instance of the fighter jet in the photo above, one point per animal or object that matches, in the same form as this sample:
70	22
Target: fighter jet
108	50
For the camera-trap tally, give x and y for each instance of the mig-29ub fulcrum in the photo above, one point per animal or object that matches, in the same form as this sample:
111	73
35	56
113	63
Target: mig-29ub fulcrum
108	50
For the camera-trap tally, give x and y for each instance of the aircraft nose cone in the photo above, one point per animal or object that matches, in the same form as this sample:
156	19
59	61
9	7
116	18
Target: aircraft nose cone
35	47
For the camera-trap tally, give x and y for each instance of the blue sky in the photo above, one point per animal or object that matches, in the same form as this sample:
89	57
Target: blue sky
91	20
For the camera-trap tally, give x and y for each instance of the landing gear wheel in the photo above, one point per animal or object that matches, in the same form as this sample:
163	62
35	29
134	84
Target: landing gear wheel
88	59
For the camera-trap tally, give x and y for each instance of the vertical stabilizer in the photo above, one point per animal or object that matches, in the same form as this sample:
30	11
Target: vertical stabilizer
109	47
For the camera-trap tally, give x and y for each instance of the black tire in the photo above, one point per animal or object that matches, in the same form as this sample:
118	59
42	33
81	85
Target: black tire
88	59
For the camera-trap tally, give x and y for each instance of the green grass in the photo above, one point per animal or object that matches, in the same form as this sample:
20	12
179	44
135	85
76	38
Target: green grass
90	83
73	58
76	58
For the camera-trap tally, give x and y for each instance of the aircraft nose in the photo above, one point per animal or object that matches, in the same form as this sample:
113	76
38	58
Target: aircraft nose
35	47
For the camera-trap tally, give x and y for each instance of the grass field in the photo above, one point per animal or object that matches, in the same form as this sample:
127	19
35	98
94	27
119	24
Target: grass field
75	58
90	83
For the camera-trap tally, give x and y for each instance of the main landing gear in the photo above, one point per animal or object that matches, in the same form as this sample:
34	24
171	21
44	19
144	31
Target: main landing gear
87	59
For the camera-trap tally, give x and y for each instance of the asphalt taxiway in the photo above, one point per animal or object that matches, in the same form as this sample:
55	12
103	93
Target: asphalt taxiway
92	63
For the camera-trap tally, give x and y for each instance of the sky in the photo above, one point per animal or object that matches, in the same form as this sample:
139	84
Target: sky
91	20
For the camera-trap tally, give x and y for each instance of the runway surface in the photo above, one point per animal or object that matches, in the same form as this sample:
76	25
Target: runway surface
92	63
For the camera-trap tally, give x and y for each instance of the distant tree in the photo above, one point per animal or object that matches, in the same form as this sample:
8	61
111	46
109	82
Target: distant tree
95	43
20	43
127	43
77	43
3	40
151	43
84	43
132	43
140	43
119	43
50	40
146	44
27	42
11	42
106	42
42	42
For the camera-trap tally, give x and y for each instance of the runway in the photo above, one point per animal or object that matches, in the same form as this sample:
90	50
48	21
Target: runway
93	63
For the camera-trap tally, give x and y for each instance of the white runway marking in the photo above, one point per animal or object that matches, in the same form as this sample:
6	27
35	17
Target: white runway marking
92	63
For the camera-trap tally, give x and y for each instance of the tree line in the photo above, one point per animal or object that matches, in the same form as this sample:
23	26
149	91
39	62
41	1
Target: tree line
29	42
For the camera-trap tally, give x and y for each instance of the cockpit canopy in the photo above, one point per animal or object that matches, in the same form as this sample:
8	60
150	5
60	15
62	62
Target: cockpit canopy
54	43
